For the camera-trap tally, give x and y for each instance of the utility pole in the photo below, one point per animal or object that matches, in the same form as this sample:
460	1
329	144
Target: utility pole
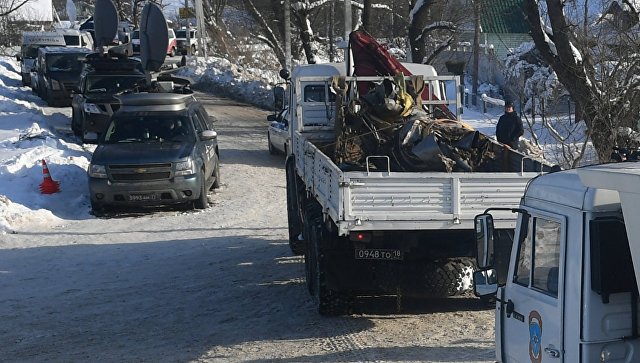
187	27
287	33
202	43
347	20
476	52
332	47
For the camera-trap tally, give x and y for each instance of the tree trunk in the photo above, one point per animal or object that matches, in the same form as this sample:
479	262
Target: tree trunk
269	34
366	16
576	74
306	35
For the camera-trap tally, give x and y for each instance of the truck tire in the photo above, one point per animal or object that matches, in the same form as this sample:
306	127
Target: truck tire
449	277
311	216
328	302
294	184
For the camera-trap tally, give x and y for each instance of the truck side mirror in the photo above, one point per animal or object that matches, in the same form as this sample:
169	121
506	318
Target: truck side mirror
278	98
485	282
285	74
484	240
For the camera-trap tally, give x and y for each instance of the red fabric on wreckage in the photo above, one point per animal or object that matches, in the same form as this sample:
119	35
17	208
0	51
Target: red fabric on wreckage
370	58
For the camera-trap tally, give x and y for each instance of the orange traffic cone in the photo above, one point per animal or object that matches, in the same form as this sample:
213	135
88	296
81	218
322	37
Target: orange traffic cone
48	185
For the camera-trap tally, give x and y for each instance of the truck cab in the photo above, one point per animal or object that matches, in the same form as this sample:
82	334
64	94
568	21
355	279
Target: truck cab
569	291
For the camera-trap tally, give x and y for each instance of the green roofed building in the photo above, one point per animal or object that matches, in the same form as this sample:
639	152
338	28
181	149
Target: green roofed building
503	26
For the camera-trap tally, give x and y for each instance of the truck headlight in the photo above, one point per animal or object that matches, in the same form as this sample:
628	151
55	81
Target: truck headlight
55	85
91	108
97	171
185	167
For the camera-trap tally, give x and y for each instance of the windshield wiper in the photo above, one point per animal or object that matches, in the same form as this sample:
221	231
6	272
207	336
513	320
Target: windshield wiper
97	90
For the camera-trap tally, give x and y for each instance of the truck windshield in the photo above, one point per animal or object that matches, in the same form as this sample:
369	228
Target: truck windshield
30	51
65	62
149	127
135	34
181	34
112	83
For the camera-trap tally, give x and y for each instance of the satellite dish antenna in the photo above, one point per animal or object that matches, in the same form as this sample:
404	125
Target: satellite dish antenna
71	12
154	37
105	23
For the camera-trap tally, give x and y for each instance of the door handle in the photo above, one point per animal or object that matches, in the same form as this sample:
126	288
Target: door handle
553	353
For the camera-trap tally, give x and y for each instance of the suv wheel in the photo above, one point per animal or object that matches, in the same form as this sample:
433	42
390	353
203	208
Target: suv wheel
75	123
172	53
193	50
202	202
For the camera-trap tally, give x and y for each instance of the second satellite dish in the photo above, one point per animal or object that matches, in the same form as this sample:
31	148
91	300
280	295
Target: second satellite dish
105	22
154	37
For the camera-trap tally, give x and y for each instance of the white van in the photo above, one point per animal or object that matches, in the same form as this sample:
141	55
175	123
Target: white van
32	41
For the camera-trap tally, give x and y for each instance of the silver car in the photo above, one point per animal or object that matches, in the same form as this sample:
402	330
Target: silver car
278	132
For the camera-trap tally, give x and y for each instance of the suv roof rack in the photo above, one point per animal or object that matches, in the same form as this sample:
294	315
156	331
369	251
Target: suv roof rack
100	62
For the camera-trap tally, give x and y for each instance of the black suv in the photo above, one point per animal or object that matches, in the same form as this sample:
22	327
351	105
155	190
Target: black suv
57	73
94	100
158	149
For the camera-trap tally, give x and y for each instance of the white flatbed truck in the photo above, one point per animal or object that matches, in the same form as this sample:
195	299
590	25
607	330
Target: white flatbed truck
382	232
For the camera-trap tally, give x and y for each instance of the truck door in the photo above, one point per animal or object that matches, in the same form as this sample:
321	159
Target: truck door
532	303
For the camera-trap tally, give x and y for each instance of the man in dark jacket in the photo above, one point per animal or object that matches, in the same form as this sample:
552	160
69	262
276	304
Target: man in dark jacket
509	128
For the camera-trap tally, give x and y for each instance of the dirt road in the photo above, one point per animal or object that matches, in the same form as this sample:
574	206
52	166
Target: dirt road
211	286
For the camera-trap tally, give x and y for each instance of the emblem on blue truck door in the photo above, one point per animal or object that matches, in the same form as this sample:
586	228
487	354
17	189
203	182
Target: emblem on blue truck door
535	337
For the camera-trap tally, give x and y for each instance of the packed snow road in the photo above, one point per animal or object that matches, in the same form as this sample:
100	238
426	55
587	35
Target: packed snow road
208	286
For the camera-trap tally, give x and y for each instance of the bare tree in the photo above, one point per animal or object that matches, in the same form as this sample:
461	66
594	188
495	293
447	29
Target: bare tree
598	68
269	36
433	26
8	7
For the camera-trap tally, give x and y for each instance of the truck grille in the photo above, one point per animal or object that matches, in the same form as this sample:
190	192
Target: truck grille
140	172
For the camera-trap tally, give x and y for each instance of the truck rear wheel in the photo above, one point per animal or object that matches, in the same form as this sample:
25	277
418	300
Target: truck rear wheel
293	207
449	277
327	301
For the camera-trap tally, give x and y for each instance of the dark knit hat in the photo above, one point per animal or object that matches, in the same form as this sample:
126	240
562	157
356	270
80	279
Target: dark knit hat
508	103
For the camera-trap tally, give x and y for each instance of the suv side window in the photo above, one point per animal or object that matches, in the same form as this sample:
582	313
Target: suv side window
197	122
202	114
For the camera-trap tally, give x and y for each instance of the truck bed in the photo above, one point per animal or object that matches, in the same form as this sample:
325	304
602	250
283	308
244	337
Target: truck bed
373	200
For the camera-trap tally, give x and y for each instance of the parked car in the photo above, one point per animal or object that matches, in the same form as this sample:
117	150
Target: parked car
135	41
158	149
278	132
56	73
172	47
181	41
94	100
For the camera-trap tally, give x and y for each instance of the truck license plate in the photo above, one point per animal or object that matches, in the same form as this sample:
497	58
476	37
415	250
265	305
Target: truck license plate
142	197
376	254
